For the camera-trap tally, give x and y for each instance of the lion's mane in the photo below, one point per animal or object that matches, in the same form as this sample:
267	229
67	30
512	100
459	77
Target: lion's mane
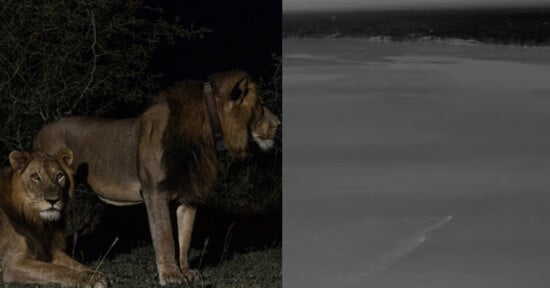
189	159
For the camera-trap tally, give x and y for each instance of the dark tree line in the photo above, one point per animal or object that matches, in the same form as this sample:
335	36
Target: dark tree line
529	26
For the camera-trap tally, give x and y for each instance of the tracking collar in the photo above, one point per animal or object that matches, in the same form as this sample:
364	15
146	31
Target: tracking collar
213	117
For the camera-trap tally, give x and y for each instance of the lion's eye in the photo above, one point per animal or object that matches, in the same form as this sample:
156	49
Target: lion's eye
60	177
35	177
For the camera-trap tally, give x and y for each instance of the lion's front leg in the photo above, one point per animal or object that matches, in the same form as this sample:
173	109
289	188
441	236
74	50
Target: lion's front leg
161	232
29	271
186	218
62	259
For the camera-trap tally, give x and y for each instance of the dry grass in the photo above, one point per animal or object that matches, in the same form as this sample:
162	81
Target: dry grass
256	269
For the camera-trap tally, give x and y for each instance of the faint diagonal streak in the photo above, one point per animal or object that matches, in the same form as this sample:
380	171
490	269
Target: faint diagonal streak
407	246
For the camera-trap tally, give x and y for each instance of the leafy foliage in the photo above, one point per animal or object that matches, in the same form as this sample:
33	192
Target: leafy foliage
61	58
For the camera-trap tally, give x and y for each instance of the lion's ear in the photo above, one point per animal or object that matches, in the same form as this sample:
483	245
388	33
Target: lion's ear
240	89
66	156
18	159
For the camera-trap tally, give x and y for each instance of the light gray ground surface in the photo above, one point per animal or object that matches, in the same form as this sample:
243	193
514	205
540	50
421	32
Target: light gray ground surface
415	165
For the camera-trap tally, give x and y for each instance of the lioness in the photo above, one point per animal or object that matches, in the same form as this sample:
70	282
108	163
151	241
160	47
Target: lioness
33	192
167	153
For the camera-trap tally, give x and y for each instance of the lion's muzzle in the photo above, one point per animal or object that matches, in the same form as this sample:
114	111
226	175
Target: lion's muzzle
52	205
51	214
265	129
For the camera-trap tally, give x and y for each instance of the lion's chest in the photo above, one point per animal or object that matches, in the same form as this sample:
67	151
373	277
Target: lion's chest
5	230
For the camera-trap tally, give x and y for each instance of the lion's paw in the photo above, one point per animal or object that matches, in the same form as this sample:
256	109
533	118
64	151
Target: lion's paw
191	275
101	284
170	274
99	280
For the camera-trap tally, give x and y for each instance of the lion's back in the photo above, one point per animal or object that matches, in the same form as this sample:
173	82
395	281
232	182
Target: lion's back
51	137
65	131
85	134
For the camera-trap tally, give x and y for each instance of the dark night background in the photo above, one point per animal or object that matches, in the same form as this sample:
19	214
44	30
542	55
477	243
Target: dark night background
245	35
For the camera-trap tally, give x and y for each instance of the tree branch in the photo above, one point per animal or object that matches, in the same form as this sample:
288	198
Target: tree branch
94	63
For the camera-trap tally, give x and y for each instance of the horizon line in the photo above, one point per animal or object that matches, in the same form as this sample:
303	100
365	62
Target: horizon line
413	7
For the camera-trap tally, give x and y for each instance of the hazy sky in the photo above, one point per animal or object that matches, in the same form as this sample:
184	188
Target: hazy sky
370	4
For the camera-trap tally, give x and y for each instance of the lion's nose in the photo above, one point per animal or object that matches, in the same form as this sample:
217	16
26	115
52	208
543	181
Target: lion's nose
277	122
52	200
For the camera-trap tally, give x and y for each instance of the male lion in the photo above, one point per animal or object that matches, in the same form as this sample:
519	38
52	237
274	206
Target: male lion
167	153
33	192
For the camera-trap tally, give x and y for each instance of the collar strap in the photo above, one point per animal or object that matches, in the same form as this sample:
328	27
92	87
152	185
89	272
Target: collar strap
213	116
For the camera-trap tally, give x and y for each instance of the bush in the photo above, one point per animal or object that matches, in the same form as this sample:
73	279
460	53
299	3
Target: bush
61	58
